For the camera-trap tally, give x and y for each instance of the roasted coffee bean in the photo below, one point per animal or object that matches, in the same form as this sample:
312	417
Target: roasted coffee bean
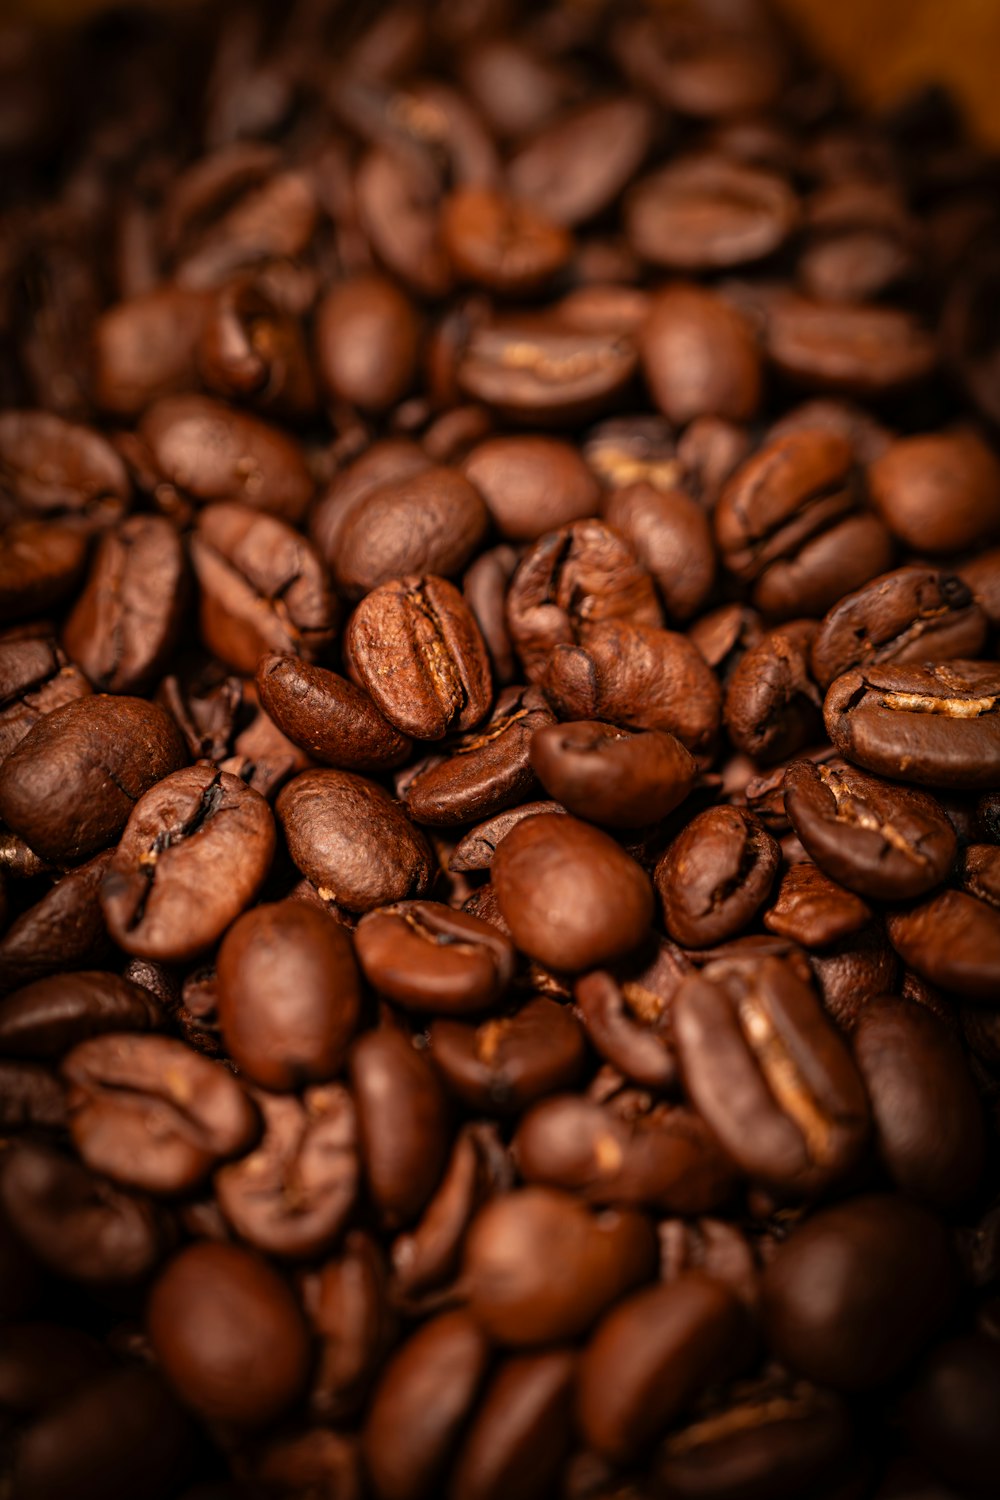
522	1431
864	350
772	706
947	1412
928	1119
952	940
720	1249
981	575
936	725
35	679
536	368
502	1065
770	1075
194	853
485	589
651	1357
627	1015
228	1335
487	769
253	349
63	930
705	65
428	1255
665	1160
47	1018
70	786
289	995
79	1225
426	957
353	840
814	910
385	461
610	776
501	243
705	213
408	1440
415	647
402	1123
531	485
291	1195
153	1113
883	841
715	875
41	563
911	615
327	715
346	1302
852	970
887	1268
939	492
308	1462
576	167
146	347
475	850
262	588
700	357
367	342
53	470
31	1098
573	898
671	536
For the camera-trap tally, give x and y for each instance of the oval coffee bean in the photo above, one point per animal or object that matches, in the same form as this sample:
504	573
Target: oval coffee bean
938	492
327	715
576	166
507	1255
367	342
153	1113
627	1019
195	852
40	565
414	646
715	875
532	485
700	357
289	994
772	706
426	957
501	243
813	910
402	1123
572	897
857	1290
56	469
885	841
536	369
35	679
937	725
503	1065
65	928
610	776
47	1018
353	840
672	537
865	350
953	941
428	1255
347	1308
769	1074
521	1432
228	1335
70	786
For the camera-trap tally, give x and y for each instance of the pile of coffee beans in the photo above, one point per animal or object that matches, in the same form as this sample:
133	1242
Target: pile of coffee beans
499	762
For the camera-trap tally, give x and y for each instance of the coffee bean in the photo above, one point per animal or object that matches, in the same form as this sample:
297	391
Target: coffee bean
151	1112
146	346
428	1255
947	1412
537	369
485	589
35	679
814	910
327	715
705	213
353	841
572	896
672	538
40	565
721	1250
939	492
402	1123
610	776
228	1335
54	470
521	1432
699	356
627	1015
64	929
531	485
367	342
47	1018
346	1303
770	1075
70	786
32	1098
715	875
252	348
502	1065
501	243
953	940
576	167
772	706
865	350
194	853
309	1461
288	994
475	850
426	957
414	646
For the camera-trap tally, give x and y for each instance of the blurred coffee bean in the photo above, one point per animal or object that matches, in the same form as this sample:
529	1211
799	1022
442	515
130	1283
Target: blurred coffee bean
402	1123
531	485
939	492
47	1018
367	341
426	957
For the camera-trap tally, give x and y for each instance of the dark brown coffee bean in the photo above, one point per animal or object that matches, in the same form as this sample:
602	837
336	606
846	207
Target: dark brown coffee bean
928	1119
671	536
852	970
346	1302
638	677
254	349
327	715
627	1016
353	840
885	841
703	64
35	679
152	1113
532	485
935	725
813	910
63	930
772	706
485	589
263	757
194	854
146	347
288	995
947	1413
601	1257
429	521
911	615
476	849
307	1463
415	647
864	350
770	1075
384	462
573	898
664	1160
576	167
939	492
40	565
367	342
78	1224
610	776
228	1335
47	1018
952	940
126	622
72	783
705	213
426	957
31	1098
487	770
291	1195
428	1255
521	1432
501	243
537	369
502	1065
402	1123
887	1267
715	875
54	470
262	587
651	1357
407	1438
